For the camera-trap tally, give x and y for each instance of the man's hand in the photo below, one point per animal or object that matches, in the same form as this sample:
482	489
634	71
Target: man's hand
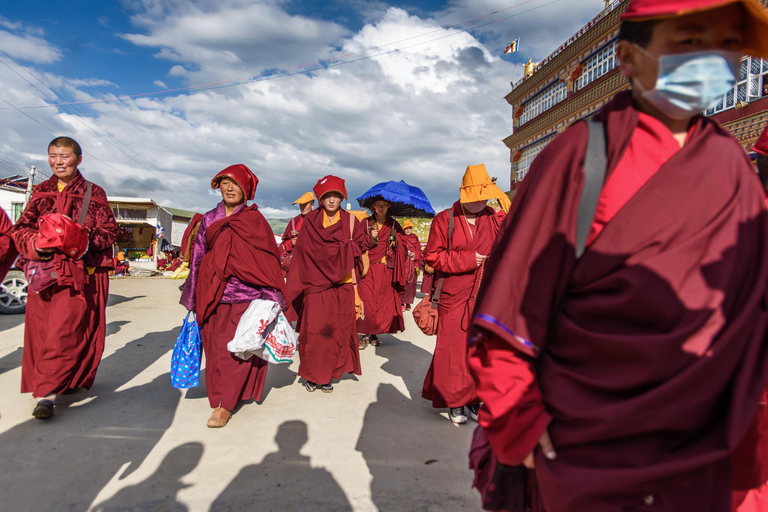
480	258
375	233
545	443
42	251
428	269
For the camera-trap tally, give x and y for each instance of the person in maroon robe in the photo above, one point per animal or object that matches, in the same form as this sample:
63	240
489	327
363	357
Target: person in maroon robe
65	324
750	461
459	260
414	264
322	290
626	378
234	261
306	203
381	289
8	250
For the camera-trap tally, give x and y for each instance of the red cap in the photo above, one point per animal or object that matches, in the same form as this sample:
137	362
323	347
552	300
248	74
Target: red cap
242	176
329	184
756	41
761	146
57	231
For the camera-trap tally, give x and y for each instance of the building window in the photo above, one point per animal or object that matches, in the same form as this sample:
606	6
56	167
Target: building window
545	100
598	65
751	84
527	157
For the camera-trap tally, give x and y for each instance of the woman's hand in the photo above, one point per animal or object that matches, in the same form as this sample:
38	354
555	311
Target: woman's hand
545	443
480	258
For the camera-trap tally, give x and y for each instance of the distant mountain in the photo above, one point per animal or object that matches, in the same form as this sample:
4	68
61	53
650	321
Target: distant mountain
278	225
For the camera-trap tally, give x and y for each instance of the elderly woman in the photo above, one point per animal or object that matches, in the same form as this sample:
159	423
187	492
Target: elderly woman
459	258
234	261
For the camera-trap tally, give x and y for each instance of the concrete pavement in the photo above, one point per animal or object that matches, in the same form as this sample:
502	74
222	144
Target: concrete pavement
134	443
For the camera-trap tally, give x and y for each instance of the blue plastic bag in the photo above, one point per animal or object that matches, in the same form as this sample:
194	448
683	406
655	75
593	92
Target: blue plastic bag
185	363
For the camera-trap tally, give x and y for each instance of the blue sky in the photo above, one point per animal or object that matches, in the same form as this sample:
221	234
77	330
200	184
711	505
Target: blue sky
422	113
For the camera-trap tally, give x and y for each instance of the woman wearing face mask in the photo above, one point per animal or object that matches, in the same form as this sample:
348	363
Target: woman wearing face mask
459	260
234	261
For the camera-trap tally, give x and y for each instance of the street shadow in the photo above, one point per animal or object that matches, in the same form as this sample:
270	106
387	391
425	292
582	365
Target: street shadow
63	463
284	480
8	322
114	300
418	456
160	490
405	360
198	391
11	361
114	327
278	376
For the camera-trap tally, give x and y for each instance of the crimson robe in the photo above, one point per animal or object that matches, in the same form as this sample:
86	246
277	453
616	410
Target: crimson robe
382	287
8	250
65	324
238	263
448	382
322	258
294	225
645	360
413	245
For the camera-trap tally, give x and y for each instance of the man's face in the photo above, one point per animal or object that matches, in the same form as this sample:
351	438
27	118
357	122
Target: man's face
305	208
63	162
231	192
332	202
380	207
717	29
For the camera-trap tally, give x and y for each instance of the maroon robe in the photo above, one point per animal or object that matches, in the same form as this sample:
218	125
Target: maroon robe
382	287
294	225
65	324
240	247
321	259
649	353
8	250
413	245
448	382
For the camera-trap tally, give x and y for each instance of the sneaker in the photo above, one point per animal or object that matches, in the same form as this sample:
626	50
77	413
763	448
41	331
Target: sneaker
43	409
473	409
327	388
311	386
457	415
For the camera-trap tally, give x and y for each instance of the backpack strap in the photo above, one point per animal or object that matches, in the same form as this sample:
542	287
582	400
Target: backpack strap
86	202
439	287
595	164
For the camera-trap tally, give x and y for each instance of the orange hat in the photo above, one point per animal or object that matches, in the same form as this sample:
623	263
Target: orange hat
330	184
307	197
756	41
56	231
407	224
478	186
761	146
242	175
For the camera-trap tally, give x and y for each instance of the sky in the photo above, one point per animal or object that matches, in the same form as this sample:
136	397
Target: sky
163	94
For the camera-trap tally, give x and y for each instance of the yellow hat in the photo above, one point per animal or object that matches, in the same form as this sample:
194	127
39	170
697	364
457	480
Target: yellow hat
478	186
306	198
407	224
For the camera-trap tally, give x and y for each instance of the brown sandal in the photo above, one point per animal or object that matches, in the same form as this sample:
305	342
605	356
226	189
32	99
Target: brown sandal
364	340
374	341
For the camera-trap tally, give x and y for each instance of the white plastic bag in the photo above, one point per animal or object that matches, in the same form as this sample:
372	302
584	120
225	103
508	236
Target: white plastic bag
263	331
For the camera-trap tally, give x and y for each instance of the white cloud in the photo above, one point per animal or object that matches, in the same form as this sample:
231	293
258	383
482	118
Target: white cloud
421	114
28	47
160	84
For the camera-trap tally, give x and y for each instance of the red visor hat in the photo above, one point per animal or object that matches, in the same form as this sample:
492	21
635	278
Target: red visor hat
242	175
57	231
329	184
755	42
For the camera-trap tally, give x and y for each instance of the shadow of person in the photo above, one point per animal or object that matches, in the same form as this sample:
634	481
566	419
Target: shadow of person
114	327
159	491
114	300
10	361
64	463
418	461
284	480
8	322
278	376
407	361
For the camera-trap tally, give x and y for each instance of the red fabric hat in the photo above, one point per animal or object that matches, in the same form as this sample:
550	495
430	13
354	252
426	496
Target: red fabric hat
57	231
756	41
761	146
329	184
242	176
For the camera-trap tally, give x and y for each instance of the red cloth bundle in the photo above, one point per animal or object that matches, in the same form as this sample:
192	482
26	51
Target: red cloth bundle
57	231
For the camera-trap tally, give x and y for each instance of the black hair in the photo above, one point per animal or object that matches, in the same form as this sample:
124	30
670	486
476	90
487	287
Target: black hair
638	32
66	142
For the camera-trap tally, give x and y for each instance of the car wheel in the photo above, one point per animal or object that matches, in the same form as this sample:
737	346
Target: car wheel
13	293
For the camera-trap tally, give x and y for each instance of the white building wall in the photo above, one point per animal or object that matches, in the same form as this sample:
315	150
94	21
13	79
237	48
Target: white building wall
8	198
178	232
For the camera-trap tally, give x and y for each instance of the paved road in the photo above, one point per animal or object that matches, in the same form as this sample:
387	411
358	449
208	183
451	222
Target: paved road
134	443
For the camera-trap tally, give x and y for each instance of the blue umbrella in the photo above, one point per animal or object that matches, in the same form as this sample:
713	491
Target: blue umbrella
406	201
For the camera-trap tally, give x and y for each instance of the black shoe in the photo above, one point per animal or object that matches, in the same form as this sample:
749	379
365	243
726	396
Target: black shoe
473	409
311	386
43	409
457	415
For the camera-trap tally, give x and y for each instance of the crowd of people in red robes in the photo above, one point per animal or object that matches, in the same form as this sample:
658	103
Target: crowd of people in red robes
607	329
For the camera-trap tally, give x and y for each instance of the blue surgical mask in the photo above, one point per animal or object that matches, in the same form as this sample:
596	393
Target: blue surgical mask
690	83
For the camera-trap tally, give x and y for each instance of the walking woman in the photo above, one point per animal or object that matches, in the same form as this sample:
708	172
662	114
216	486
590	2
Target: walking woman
234	261
459	259
415	263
